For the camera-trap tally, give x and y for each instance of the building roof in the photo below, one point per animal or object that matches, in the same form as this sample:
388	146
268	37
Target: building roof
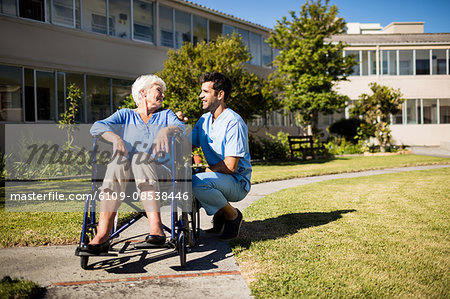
228	16
392	39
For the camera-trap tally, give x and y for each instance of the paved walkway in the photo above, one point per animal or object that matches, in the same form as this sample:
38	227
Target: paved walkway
211	270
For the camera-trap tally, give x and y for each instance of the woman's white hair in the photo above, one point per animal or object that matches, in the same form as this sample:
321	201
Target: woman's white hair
145	82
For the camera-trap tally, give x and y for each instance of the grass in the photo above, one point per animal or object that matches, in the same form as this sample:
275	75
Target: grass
16	288
288	170
378	236
58	228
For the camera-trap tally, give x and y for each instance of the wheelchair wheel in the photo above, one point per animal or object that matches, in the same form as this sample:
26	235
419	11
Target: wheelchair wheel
181	244
195	218
188	229
84	262
90	233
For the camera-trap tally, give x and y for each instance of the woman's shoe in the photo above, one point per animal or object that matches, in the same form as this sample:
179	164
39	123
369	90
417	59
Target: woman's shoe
96	248
155	239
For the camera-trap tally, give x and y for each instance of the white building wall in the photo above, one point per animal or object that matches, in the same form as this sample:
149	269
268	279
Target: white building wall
412	87
421	135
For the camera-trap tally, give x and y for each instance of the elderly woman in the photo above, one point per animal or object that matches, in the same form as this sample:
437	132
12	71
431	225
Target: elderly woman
137	136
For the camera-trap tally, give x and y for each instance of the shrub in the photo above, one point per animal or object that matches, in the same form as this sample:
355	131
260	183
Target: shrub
347	128
272	148
340	146
256	148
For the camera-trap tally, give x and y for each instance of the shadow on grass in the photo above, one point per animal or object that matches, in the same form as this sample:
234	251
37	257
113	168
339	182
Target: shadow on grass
284	225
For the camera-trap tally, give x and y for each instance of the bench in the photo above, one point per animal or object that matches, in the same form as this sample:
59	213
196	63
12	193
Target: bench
305	145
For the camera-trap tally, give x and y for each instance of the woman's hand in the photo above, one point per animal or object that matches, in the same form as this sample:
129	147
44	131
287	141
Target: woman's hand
161	142
119	148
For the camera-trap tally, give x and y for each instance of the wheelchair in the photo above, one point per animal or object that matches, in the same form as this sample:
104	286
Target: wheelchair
184	227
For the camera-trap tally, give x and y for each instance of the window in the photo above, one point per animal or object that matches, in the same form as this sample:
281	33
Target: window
406	62
200	34
245	37
444	111
266	54
397	119
275	52
255	48
388	62
166	26
215	29
439	66
62	12
369	64
8	7
77	14
422	62
228	30
45	96
275	118
10	93
182	28
119	18
97	98
94	16
61	87
364	63
32	9
143	21
413	111
372	59
325	120
429	111
120	90
29	95
356	68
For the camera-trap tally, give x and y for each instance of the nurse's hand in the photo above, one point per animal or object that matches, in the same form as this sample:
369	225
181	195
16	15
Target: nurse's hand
181	116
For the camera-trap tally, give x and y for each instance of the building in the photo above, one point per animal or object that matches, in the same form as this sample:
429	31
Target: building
402	56
102	46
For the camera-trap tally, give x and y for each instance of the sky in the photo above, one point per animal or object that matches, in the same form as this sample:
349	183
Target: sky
435	13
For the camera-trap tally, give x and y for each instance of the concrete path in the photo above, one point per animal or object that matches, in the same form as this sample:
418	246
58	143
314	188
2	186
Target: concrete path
211	270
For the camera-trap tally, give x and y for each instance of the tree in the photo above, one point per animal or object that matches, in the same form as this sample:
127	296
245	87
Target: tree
67	118
183	68
128	102
375	109
309	65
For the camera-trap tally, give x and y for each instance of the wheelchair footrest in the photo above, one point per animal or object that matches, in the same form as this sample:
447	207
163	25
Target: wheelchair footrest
81	253
145	245
78	252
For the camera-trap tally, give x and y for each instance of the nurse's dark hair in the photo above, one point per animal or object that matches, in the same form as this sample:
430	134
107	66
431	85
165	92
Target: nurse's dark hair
221	82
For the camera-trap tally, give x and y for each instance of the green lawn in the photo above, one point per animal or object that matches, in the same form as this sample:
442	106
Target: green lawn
379	236
288	170
33	229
